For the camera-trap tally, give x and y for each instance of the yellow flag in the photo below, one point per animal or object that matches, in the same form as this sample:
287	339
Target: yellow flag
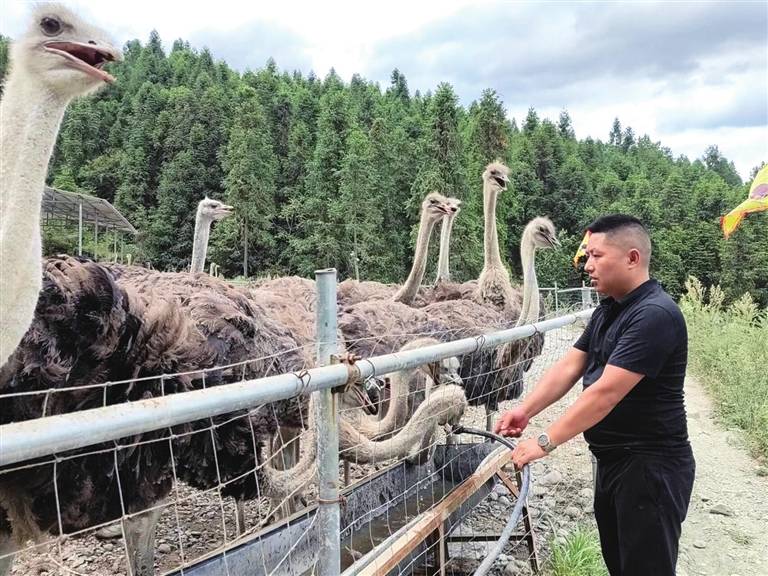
582	251
757	201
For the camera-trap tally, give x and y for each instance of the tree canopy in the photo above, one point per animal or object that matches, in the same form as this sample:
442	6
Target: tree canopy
327	173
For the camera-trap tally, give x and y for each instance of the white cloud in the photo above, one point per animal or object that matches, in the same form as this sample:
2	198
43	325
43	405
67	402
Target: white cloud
689	74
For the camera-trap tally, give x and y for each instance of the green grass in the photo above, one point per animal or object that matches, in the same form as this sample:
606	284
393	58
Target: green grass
728	353
578	555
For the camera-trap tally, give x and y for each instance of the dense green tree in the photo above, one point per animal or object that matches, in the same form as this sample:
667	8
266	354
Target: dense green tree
250	169
320	168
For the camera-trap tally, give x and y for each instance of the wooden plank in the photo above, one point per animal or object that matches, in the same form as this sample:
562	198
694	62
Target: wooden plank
433	519
511	486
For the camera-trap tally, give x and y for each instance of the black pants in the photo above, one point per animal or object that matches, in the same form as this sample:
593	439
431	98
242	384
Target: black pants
640	503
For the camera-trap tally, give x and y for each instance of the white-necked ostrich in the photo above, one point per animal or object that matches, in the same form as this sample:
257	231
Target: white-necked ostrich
539	233
208	212
350	292
443	260
58	58
408	389
88	330
493	287
362	439
489	376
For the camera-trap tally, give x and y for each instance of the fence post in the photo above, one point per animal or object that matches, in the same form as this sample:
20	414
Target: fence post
586	300
328	515
557	303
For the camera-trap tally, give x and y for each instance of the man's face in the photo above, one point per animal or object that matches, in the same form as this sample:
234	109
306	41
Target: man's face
608	265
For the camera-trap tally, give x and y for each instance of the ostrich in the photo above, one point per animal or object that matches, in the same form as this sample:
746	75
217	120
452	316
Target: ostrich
208	212
444	405
434	207
88	330
58	58
350	292
443	261
489	376
408	388
493	285
539	233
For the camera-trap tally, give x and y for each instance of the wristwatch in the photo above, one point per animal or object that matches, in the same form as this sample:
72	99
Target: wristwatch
545	443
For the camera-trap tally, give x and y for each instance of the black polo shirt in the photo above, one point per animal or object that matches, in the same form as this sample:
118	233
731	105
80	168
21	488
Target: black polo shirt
644	332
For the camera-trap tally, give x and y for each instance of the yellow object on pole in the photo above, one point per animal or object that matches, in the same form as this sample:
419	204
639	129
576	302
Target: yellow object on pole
582	251
757	201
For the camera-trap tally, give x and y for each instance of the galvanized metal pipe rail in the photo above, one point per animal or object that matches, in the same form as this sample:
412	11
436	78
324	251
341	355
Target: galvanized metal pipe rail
45	436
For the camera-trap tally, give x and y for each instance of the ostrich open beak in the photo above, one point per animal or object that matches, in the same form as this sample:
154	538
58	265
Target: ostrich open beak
88	58
553	241
502	181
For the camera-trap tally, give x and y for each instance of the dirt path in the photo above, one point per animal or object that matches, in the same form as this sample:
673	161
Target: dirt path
714	544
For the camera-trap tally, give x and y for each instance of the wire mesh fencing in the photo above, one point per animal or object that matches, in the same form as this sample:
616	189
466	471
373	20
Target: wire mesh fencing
212	468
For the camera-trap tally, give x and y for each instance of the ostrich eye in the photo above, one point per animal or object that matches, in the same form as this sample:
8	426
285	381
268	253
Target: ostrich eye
50	26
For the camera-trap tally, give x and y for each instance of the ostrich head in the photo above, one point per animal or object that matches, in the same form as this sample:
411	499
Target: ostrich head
63	52
453	205
443	372
542	233
212	210
496	175
435	206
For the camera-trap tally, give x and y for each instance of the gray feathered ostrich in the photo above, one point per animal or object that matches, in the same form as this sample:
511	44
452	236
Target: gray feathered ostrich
490	376
427	397
208	212
443	260
350	292
493	286
88	330
58	58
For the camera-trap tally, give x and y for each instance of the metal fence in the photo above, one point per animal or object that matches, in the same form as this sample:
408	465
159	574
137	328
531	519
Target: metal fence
182	478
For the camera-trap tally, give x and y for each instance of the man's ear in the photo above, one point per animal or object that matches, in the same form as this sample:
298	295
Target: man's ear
635	258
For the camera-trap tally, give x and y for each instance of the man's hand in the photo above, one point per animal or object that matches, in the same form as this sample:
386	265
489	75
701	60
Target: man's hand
512	423
527	451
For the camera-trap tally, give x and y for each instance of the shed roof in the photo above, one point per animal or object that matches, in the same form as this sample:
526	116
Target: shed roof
62	205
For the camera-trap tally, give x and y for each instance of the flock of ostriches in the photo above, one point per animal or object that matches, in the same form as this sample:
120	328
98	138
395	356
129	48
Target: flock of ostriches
83	323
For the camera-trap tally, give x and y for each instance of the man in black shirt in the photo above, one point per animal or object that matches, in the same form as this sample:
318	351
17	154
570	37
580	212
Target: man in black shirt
632	358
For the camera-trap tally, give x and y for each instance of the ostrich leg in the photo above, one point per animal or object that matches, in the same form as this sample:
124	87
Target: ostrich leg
7	549
140	542
240	516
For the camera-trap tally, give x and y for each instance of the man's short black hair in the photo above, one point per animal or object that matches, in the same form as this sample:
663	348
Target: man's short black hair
632	231
611	222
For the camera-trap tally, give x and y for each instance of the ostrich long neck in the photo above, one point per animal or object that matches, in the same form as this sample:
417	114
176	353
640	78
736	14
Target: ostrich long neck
200	243
443	268
530	309
408	291
361	449
491	252
398	407
30	116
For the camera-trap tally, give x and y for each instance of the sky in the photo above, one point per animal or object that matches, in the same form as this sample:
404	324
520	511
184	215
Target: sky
688	74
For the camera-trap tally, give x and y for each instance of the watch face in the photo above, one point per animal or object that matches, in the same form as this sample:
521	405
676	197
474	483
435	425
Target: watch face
543	440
